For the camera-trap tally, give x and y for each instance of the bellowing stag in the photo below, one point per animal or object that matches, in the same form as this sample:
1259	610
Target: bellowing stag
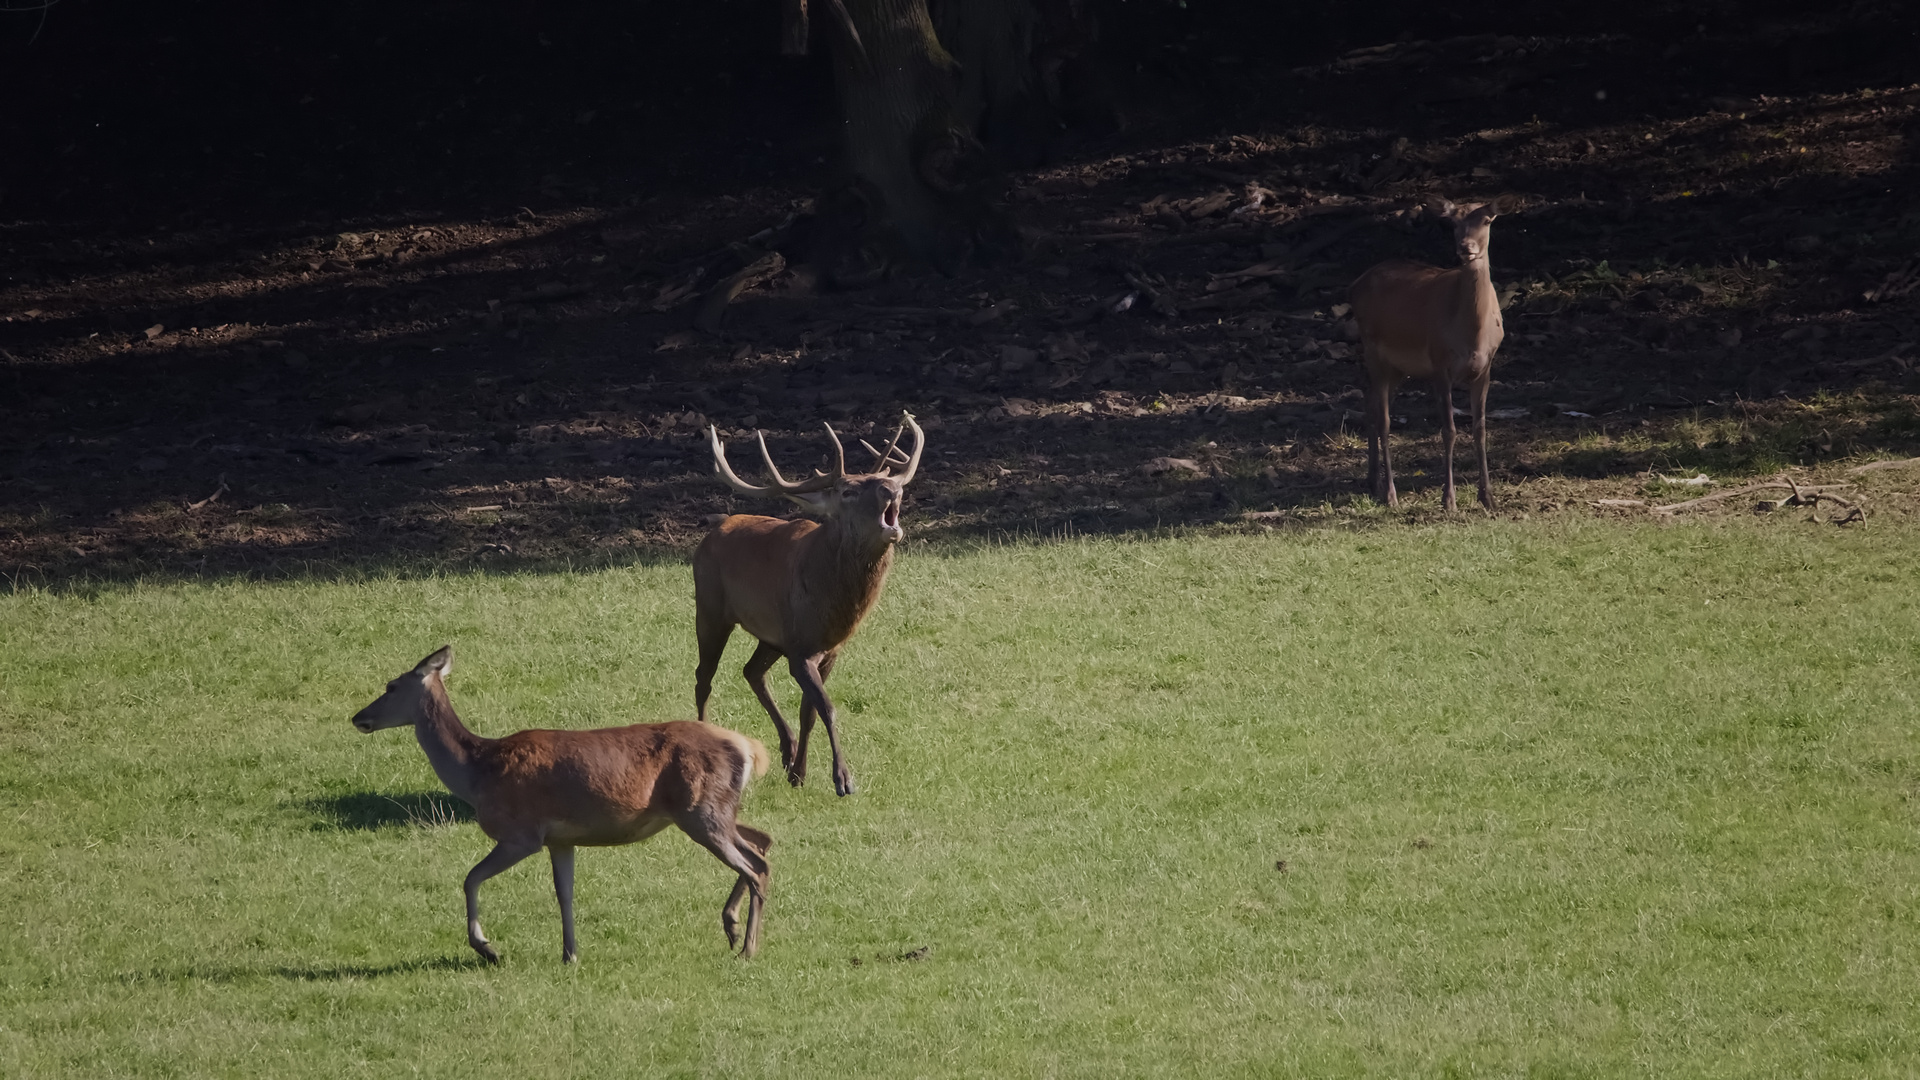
800	587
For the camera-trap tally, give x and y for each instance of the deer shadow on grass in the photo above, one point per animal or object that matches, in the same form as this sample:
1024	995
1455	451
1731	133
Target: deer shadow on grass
369	811
309	973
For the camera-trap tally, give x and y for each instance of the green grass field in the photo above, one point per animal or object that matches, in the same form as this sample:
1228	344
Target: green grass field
1556	799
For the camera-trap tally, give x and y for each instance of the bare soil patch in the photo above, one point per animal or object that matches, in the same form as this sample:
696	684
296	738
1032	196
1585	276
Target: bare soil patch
1713	274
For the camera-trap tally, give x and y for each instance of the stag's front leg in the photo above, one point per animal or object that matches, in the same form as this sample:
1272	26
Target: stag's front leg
811	674
792	758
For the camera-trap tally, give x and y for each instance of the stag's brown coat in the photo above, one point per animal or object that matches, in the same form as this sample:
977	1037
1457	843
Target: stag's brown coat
800	587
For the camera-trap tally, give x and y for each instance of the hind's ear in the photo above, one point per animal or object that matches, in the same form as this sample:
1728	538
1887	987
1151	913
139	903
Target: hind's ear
440	663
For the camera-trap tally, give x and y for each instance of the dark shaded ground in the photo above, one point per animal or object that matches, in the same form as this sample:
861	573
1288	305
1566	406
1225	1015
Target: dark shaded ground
428	319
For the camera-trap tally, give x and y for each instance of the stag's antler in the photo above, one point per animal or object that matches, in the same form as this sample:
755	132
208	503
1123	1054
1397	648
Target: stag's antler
820	481
919	444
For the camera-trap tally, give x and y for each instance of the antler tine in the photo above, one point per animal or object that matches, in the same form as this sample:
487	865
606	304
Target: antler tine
726	471
819	481
886	459
773	470
919	444
839	455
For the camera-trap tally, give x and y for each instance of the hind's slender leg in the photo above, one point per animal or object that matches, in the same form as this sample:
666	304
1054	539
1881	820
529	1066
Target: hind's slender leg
723	838
1443	388
730	915
1479	394
503	856
563	889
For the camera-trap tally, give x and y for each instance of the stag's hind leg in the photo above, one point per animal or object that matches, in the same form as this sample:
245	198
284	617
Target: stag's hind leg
822	708
712	632
794	760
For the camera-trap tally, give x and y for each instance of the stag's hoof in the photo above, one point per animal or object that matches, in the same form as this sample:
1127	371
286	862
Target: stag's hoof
842	784
797	777
568	956
486	950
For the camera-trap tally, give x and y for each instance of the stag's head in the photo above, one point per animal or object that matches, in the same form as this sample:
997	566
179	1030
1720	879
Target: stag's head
1471	228
868	504
408	696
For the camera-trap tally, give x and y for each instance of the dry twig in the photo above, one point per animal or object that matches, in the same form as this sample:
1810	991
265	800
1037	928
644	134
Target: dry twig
1802	496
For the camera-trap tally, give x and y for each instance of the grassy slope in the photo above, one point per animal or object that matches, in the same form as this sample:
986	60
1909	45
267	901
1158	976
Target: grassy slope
1555	799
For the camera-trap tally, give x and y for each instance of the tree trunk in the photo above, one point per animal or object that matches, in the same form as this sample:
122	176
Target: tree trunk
923	187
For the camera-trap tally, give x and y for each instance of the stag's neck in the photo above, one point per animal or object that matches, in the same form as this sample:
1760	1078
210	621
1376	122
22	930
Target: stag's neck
451	748
850	575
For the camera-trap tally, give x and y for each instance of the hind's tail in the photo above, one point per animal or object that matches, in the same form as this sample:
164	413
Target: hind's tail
757	751
755	754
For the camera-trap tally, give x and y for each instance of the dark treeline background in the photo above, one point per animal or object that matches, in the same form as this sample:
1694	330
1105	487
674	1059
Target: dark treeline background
212	108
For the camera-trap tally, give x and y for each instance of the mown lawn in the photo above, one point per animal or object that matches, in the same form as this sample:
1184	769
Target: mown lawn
1553	799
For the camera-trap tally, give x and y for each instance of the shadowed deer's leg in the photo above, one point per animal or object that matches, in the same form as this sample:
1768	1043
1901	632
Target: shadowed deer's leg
503	856
756	672
730	915
712	634
811	674
1380	423
808	714
727	843
1479	394
1443	389
563	889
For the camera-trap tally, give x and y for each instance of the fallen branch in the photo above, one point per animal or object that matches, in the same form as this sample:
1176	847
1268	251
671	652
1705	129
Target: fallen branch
714	307
215	497
1154	297
1802	496
1876	466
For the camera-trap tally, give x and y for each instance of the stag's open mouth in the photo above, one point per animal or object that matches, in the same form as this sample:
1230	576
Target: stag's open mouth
890	520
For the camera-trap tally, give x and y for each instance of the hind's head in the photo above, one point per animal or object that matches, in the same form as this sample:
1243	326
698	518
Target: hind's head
409	696
1472	226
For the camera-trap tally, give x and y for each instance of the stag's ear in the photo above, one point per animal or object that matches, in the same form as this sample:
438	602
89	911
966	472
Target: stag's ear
440	663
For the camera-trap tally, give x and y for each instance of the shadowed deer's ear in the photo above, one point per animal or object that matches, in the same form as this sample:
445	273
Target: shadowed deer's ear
440	663
1444	210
